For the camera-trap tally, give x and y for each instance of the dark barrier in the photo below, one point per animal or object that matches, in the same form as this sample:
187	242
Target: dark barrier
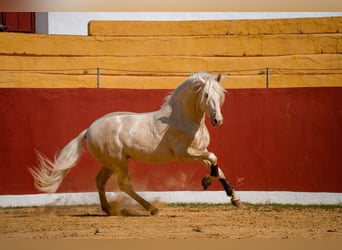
271	139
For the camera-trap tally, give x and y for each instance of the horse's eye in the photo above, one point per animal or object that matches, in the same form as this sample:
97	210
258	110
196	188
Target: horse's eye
206	95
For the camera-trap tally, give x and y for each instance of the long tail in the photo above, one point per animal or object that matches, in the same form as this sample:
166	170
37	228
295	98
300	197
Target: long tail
49	175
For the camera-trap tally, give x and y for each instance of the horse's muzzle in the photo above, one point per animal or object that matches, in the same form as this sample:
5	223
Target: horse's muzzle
216	121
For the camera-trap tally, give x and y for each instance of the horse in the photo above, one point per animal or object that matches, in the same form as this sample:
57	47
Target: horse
175	132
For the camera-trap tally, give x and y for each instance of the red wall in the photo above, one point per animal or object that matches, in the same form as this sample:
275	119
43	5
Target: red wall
271	139
19	21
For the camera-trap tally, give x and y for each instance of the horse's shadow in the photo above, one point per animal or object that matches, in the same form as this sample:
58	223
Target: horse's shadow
121	206
126	212
88	215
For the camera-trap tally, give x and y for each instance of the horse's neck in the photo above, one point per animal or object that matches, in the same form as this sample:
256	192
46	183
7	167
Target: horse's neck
186	110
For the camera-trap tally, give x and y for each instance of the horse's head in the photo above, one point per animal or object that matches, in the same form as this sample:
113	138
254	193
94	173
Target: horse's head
211	97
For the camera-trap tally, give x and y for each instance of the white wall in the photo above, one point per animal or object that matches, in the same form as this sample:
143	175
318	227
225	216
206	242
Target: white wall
76	23
42	22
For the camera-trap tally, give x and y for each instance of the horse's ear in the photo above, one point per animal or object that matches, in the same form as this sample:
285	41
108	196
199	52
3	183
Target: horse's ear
221	77
218	78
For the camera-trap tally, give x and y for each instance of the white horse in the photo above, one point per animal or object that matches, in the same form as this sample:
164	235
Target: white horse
175	132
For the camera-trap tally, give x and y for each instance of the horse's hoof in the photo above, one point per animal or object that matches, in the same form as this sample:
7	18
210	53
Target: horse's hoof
236	202
154	211
106	210
206	181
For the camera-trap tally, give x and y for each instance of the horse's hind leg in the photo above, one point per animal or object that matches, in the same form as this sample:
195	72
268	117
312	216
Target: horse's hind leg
101	180
126	186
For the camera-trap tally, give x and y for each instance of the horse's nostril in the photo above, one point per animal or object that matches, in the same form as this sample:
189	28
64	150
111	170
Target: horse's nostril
216	122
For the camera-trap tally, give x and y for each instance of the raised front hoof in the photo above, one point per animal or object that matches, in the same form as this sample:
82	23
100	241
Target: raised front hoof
154	211
206	181
236	202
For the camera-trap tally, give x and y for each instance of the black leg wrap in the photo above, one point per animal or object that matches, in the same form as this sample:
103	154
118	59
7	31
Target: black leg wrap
227	187
214	171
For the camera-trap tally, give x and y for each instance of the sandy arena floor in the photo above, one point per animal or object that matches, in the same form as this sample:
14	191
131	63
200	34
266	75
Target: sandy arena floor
174	222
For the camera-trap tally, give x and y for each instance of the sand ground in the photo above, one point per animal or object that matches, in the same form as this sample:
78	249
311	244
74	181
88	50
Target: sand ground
175	221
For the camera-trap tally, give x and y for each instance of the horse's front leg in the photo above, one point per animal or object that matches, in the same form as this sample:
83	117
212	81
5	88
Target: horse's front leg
216	172
210	162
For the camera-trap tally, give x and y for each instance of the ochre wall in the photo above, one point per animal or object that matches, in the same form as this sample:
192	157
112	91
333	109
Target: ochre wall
158	55
218	27
271	139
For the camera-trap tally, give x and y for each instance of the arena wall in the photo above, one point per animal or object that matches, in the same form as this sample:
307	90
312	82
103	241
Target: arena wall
282	139
301	52
271	139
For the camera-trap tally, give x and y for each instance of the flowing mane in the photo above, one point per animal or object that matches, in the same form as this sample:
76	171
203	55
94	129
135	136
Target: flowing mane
200	82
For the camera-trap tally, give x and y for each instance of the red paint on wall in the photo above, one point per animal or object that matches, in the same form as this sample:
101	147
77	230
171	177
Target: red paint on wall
18	21
271	139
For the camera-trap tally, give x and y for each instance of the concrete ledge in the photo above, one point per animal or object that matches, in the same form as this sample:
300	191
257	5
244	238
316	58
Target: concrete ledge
220	27
37	80
253	45
254	197
155	64
141	53
151	72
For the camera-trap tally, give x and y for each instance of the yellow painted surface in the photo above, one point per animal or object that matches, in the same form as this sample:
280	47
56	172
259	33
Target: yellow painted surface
223	27
177	64
164	54
33	80
254	45
36	80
